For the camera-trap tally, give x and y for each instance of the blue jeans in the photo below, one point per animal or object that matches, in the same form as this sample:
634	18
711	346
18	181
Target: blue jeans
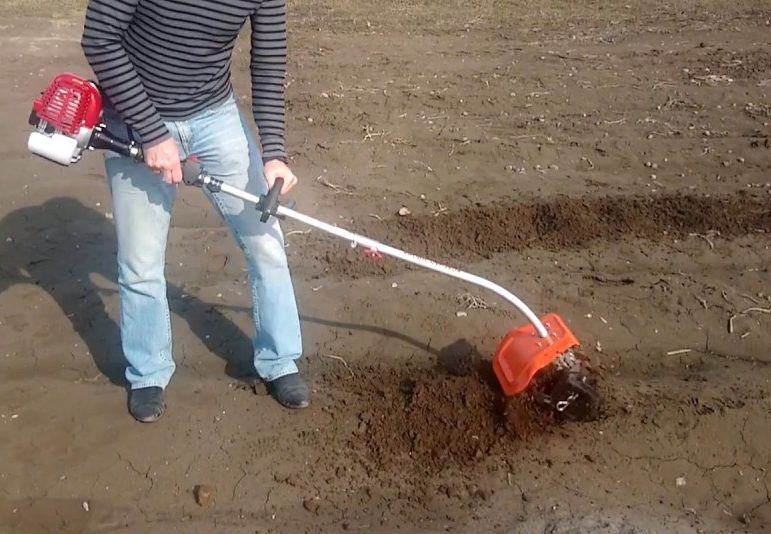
142	204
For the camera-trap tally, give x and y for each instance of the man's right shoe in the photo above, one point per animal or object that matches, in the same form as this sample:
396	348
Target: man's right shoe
290	391
147	404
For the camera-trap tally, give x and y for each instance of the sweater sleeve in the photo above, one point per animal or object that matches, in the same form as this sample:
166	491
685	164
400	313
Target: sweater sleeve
102	42
268	72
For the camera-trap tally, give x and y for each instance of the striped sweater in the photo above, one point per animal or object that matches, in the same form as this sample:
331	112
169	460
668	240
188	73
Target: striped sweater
166	60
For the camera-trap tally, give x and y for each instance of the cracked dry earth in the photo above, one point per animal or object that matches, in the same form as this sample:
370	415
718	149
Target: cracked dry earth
609	163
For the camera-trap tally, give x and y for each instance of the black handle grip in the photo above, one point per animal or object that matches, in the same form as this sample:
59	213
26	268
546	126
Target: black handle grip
269	204
192	172
102	140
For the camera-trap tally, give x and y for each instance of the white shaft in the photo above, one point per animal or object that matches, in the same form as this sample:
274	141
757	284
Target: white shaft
385	249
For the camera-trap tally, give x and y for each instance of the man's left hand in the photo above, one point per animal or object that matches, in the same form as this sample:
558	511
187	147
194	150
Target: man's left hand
278	169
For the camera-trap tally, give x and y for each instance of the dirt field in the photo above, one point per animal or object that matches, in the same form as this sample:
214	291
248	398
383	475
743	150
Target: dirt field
607	161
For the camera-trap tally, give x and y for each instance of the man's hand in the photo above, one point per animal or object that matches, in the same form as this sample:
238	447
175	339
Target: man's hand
163	158
278	169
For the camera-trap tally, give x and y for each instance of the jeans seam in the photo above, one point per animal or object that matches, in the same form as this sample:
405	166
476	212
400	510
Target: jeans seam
169	333
183	129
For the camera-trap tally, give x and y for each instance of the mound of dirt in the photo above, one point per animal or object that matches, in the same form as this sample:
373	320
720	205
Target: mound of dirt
554	224
432	419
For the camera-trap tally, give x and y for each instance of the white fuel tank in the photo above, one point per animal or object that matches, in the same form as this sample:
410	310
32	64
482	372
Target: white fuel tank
56	147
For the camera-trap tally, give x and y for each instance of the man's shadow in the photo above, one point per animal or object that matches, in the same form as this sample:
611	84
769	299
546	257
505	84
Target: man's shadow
62	243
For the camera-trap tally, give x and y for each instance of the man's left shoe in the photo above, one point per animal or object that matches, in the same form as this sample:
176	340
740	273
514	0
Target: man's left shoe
147	404
290	391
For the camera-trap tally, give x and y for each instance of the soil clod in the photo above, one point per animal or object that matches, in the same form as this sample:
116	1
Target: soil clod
203	494
312	504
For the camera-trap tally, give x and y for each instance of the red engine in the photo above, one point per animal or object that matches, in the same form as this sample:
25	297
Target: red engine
68	104
66	116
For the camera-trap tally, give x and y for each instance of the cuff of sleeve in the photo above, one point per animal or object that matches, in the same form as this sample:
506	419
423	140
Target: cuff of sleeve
152	130
274	157
274	150
157	139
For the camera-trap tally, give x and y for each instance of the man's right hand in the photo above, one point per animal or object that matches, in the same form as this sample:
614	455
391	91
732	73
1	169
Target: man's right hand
163	158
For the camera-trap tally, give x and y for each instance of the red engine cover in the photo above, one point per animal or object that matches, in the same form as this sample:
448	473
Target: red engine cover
69	103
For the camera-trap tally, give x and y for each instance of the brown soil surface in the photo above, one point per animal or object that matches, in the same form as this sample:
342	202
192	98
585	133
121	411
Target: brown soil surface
482	231
434	420
609	162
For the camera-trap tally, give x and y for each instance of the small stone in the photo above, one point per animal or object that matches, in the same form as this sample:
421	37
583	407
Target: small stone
740	159
394	285
311	504
86	507
203	494
654	165
482	494
726	163
404	211
680	481
653	176
461	314
554	167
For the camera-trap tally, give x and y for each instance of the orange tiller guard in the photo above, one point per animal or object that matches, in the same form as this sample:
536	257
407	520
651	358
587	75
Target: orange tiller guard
523	352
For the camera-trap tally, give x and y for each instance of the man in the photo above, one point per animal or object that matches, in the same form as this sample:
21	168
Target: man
164	68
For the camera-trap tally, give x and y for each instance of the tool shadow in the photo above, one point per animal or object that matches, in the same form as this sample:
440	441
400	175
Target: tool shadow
458	358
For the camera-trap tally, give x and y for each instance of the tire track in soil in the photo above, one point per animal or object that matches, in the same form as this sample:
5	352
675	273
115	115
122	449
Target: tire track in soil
476	233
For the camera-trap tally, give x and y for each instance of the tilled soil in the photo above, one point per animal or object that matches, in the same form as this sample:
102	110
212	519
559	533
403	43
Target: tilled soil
555	224
433	421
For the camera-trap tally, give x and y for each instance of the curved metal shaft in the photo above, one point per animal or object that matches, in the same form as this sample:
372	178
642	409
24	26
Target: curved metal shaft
355	239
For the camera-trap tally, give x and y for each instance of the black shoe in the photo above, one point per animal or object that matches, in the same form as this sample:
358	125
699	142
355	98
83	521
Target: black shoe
290	391
146	404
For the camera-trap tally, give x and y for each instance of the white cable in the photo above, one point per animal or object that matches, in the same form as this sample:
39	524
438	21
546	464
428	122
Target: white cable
411	258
